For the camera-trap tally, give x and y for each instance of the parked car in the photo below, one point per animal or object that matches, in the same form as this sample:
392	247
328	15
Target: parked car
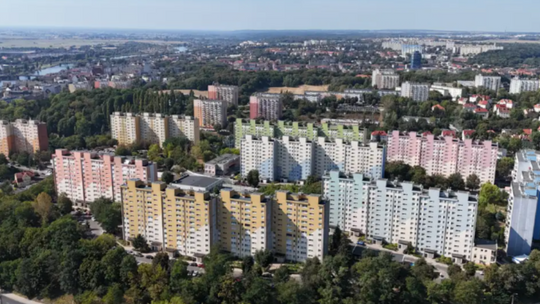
150	257
200	265
193	264
138	254
361	243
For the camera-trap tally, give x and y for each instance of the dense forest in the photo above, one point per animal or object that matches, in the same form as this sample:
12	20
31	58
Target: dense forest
514	55
45	253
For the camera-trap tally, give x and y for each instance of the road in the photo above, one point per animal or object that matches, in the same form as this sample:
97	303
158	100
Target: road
23	168
10	298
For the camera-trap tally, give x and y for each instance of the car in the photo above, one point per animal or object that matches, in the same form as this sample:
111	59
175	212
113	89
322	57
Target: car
200	265
93	219
361	243
195	273
150	257
442	275
139	255
193	264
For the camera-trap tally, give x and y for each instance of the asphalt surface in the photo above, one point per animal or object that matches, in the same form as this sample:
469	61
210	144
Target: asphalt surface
10	298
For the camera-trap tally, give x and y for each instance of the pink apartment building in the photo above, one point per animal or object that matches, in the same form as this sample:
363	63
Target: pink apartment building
85	176
444	155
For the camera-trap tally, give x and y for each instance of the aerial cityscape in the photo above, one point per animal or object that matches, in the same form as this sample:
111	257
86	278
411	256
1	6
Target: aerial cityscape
162	163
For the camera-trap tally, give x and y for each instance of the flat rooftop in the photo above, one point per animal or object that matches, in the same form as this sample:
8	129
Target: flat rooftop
222	159
195	181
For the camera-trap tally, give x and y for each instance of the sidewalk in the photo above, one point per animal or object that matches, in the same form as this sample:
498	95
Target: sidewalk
11	298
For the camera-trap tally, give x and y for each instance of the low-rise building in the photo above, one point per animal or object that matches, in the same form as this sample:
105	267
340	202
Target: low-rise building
222	165
484	252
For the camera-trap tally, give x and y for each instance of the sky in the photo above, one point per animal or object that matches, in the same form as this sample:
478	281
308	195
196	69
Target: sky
467	15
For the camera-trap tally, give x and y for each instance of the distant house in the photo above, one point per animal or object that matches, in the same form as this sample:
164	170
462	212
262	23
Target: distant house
507	102
481	112
483	104
437	106
450	133
24	178
463	101
469	107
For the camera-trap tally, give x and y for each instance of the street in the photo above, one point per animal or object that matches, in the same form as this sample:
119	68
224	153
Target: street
11	298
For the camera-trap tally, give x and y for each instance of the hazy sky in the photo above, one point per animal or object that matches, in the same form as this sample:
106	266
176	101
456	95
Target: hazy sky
475	15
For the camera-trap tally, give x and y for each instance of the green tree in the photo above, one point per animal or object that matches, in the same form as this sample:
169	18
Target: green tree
154	152
504	167
456	182
473	182
264	258
470	269
253	178
167	177
161	259
43	206
489	194
140	244
65	205
469	292
114	295
247	264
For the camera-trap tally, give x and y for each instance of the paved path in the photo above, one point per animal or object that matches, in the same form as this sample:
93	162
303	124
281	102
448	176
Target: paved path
11	298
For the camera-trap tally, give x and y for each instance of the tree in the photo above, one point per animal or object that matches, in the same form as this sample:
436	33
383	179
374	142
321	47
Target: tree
455	181
264	257
253	178
167	177
154	152
179	274
489	194
336	241
504	167
3	159
65	205
470	269
453	270
473	182
247	264
108	214
161	259
43	206
114	295
469	292
140	244
281	275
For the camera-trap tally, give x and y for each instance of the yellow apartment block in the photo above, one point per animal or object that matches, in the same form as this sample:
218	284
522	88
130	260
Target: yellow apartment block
300	225
244	222
169	218
294	226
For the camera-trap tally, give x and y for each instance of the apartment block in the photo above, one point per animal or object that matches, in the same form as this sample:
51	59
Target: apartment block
224	92
128	128
293	158
522	220
210	112
184	126
300	226
489	82
348	157
244	222
416	91
433	221
445	155
125	127
169	218
85	176
522	85
23	136
258	153
332	129
265	105
154	128
385	79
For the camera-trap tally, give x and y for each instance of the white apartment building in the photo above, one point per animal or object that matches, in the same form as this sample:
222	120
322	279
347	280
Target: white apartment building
294	158
522	85
433	221
154	128
415	91
385	79
224	92
489	82
210	112
348	198
125	127
184	126
258	154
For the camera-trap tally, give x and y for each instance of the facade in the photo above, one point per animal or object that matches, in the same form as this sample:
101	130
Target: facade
222	165
489	82
293	158
125	128
300	226
151	209
521	85
184	126
265	105
86	176
333	130
385	79
484	252
128	128
433	221
210	112
415	91
244	223
154	128
224	92
23	136
258	154
446	155
522	220
416	61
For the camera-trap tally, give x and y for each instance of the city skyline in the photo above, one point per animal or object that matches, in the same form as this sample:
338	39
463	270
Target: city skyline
279	15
